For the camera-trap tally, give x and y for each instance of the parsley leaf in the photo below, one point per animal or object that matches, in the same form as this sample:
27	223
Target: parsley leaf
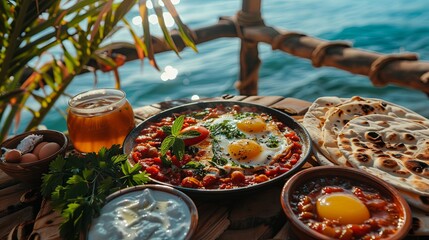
79	184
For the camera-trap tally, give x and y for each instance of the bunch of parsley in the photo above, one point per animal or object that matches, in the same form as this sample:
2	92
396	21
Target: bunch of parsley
79	184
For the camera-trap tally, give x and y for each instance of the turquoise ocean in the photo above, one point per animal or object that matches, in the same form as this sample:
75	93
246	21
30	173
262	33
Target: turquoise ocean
385	26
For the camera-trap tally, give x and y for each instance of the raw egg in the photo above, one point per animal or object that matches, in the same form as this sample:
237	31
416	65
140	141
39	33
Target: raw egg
346	208
13	156
39	146
48	150
28	157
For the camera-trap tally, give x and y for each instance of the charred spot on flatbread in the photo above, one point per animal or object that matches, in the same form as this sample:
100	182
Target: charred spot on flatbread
372	136
417	167
424	153
392	137
402	173
362	157
375	138
409	137
367	109
389	163
396	146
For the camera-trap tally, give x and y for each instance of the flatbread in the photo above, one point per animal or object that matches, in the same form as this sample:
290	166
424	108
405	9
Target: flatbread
314	119
415	200
394	149
343	113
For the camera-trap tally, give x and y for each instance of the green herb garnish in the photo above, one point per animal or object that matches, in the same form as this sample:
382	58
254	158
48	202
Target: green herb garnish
78	185
225	128
174	141
272	142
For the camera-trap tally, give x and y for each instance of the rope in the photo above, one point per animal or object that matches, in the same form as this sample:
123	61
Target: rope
381	62
424	78
246	19
319	52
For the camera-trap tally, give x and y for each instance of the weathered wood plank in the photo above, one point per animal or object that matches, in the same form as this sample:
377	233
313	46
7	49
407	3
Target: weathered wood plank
259	232
263	207
8	222
10	198
46	225
142	113
263	100
213	221
292	106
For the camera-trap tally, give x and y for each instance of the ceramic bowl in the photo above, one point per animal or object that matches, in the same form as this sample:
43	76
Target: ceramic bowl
309	182
31	172
158	211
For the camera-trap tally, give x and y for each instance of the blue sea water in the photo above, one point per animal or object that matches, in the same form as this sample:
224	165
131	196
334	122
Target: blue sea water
383	26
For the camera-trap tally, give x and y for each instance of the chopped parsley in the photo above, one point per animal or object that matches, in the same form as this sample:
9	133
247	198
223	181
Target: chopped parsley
272	142
225	128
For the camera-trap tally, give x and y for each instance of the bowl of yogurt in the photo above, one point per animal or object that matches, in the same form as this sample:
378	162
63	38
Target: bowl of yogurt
146	212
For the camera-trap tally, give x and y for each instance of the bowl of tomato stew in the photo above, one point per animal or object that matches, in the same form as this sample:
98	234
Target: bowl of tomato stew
332	202
218	147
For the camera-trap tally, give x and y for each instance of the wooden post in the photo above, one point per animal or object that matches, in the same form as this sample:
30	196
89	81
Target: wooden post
250	15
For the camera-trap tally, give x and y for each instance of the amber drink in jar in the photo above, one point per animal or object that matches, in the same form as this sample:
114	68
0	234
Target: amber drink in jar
99	118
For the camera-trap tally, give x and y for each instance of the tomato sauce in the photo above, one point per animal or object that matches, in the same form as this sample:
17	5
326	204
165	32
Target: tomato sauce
191	171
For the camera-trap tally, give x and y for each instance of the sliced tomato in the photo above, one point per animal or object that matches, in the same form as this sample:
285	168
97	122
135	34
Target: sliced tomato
204	133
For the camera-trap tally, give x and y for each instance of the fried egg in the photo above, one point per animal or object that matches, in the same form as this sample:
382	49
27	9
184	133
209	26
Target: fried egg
243	141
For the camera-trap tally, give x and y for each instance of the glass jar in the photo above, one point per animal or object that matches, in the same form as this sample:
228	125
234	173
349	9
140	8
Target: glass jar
97	118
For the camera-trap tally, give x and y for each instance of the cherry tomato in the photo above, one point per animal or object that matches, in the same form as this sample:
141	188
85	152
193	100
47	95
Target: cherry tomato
204	133
191	182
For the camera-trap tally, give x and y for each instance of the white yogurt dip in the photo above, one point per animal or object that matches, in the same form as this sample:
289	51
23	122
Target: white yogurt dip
143	214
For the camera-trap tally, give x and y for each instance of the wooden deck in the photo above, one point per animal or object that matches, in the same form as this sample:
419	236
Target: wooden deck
257	215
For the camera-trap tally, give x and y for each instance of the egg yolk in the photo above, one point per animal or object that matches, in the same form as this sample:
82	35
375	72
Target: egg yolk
347	209
244	149
252	125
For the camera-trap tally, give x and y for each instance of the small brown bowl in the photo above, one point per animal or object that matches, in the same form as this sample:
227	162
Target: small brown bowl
309	181
159	194
31	172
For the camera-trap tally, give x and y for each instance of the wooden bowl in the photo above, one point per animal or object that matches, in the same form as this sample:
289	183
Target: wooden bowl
31	172
302	184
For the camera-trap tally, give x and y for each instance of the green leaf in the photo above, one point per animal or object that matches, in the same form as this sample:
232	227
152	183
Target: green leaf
135	169
57	165
179	148
193	165
126	169
166	33
76	179
177	125
146	34
140	178
166	144
119	158
138	43
183	29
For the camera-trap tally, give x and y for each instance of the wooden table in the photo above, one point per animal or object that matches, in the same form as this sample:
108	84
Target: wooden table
254	216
